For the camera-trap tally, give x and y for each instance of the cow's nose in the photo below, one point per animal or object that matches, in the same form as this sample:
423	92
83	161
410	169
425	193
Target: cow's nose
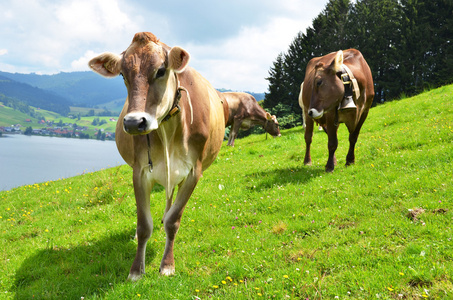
310	113
137	123
142	125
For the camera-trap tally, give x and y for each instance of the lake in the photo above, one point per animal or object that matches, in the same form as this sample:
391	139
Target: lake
27	160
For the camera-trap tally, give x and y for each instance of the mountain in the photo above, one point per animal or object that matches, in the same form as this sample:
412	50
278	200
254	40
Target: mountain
80	88
83	89
33	96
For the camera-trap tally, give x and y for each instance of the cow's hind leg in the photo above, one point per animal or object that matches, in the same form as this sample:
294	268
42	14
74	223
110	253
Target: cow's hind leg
173	219
142	189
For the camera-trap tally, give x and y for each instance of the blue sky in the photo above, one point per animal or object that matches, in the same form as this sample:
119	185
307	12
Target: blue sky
232	43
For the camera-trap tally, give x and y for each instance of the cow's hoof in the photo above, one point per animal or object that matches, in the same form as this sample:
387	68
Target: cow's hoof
167	271
134	277
329	169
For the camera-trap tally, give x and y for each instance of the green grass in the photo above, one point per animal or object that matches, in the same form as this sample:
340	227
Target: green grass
260	224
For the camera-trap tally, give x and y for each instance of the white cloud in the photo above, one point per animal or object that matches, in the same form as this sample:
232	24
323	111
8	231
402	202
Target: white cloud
81	64
233	45
243	61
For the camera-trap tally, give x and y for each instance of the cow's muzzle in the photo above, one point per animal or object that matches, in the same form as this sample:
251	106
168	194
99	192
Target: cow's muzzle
315	114
139	123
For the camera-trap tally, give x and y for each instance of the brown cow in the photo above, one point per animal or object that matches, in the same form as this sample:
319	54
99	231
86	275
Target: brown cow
244	112
170	130
329	82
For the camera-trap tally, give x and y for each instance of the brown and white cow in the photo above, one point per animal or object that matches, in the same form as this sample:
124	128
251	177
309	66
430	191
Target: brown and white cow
323	96
244	112
171	128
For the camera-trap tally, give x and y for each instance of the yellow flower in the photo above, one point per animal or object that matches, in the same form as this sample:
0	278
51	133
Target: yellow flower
285	276
197	291
259	294
223	282
215	286
401	274
390	289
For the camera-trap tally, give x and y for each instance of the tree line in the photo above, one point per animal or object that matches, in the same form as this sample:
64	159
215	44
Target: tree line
407	44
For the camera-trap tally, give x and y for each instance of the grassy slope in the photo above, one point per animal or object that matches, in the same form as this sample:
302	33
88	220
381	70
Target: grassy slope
260	224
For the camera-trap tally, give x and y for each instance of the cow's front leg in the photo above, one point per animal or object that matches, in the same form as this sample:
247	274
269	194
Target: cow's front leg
308	135
332	145
142	189
353	136
173	219
234	131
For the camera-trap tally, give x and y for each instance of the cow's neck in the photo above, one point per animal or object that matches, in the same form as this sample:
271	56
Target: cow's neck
175	108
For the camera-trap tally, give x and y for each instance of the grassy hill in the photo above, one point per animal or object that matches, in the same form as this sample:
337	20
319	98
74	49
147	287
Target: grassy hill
260	224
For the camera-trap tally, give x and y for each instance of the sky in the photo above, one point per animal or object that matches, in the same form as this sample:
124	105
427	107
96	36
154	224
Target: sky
232	43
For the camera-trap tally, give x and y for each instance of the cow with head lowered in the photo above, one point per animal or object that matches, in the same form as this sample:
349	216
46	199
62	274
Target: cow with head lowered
338	88
170	130
244	112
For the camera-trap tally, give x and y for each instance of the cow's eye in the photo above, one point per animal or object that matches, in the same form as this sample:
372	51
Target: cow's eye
161	72
318	83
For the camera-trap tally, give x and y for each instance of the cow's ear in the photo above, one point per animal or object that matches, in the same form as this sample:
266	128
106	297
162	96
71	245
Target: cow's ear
106	64
268	116
337	62
178	59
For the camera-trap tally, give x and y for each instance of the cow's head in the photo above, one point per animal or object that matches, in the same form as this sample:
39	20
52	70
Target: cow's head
149	70
328	89
271	125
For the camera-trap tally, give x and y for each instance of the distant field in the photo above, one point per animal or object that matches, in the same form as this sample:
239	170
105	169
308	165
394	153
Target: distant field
9	116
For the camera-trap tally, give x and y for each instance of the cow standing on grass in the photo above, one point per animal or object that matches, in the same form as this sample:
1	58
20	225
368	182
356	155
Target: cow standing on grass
244	112
338	88
170	130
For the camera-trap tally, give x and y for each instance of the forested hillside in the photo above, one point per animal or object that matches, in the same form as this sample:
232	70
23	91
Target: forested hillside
407	43
19	95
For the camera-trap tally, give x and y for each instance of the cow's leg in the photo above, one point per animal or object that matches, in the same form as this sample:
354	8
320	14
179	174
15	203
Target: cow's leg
332	144
173	219
230	136
234	131
309	123
168	202
142	189
353	136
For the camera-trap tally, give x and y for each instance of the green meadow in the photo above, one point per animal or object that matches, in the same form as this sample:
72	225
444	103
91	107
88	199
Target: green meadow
260	224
